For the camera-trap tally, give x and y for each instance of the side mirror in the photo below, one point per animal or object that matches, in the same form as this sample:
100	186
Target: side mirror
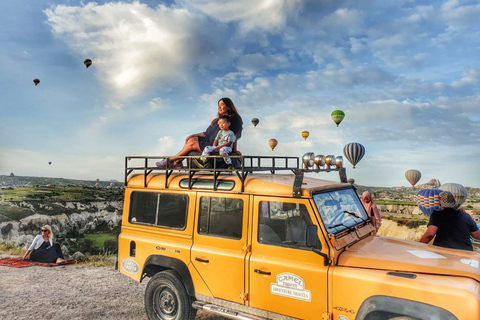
312	237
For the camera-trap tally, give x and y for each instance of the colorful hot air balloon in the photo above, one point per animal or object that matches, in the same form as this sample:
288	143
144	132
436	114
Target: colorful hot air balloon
459	192
36	81
272	143
354	152
305	134
87	63
337	116
255	121
428	200
351	180
413	176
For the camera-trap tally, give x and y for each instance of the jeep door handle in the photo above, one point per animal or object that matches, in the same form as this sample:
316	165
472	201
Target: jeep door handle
262	272
201	260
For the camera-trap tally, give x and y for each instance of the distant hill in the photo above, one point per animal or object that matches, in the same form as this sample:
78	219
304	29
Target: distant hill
20	181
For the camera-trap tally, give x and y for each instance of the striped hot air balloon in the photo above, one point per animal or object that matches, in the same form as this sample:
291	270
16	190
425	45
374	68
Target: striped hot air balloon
351	180
413	176
272	143
305	134
354	152
428	200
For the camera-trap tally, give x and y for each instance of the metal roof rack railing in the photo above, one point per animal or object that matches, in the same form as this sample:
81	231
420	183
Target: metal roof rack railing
248	164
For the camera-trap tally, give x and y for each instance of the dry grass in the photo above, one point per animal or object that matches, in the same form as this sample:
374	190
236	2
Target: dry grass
391	228
97	261
11	249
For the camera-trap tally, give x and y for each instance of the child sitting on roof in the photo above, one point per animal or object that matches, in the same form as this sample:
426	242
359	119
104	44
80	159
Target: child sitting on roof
223	143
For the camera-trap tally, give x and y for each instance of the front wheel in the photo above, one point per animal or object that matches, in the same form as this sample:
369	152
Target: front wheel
167	299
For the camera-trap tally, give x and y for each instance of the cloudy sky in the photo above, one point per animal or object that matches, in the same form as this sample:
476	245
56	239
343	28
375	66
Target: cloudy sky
406	73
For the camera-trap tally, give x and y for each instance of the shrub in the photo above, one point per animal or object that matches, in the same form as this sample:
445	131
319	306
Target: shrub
111	246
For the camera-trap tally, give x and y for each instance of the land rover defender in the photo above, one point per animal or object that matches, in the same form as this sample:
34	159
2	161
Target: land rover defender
266	241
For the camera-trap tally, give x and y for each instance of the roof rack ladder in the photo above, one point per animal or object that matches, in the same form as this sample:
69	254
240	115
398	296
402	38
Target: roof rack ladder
297	183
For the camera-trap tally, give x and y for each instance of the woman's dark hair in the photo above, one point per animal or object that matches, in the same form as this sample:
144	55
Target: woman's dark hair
231	109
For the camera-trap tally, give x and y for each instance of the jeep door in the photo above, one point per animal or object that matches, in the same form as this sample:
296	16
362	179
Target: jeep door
285	276
220	239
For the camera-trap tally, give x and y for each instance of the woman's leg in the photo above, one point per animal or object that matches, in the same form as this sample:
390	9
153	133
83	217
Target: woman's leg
58	250
190	145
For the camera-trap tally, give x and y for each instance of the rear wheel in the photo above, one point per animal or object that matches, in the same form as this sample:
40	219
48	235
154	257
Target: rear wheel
167	299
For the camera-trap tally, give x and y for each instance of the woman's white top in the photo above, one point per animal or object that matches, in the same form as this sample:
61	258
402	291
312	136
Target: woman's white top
37	242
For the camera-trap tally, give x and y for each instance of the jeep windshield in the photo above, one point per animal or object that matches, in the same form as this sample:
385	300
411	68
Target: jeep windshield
340	210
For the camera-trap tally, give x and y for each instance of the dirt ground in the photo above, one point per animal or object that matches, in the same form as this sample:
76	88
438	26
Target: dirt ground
72	292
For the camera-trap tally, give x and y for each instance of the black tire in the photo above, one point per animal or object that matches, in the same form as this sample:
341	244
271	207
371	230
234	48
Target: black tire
167	299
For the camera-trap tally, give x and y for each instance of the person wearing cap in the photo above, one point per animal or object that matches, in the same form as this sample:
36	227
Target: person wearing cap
451	228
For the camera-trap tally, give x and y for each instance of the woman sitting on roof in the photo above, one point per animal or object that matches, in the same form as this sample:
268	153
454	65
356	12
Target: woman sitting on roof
198	141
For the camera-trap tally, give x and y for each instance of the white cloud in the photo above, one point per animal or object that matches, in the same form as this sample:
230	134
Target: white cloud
252	15
470	79
158	103
343	19
133	46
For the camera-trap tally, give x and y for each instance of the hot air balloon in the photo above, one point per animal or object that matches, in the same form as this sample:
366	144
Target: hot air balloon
459	192
428	200
36	81
337	116
354	152
49	162
255	121
413	176
351	180
305	134
97	185
272	143
87	63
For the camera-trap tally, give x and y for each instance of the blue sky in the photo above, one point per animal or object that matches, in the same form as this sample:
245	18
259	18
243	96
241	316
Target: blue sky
406	73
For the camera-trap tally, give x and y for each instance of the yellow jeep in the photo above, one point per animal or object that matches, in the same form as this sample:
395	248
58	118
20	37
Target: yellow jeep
264	241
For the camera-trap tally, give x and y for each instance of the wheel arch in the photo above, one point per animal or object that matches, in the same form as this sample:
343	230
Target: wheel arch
402	307
158	263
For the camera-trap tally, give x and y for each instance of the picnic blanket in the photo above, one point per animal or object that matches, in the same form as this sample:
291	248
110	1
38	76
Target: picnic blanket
20	263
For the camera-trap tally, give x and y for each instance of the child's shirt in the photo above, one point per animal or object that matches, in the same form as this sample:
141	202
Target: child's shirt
224	137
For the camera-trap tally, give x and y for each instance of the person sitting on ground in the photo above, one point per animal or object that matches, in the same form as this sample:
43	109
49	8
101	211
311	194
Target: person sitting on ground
222	144
197	142
372	209
451	228
43	249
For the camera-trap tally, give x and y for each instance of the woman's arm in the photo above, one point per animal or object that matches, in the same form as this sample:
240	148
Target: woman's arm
201	134
26	254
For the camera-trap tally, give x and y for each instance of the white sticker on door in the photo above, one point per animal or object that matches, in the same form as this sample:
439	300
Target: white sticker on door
290	285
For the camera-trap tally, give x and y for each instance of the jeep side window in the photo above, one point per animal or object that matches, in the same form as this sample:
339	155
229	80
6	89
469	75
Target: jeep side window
159	209
283	223
222	217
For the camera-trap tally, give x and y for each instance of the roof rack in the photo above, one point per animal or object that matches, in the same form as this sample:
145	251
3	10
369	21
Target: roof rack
248	164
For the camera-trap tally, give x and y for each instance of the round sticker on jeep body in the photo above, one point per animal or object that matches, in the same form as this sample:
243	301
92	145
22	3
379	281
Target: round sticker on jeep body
131	266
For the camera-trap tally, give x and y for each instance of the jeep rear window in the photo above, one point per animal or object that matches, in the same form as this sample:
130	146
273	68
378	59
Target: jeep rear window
166	210
222	217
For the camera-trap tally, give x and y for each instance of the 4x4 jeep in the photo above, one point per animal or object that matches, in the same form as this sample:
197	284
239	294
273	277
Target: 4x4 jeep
251	243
